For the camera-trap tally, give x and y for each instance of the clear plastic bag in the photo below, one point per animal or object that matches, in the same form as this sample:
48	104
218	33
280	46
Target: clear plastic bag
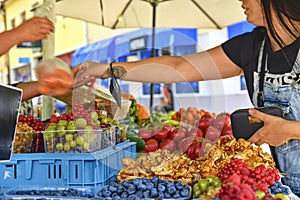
55	77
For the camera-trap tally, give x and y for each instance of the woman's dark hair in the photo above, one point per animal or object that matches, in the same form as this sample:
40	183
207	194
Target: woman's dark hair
283	9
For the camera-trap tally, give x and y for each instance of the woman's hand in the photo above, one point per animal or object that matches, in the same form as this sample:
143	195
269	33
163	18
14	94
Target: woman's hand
87	72
34	29
275	132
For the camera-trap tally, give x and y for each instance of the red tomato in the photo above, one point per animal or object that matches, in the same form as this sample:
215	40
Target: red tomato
177	135
151	145
145	134
185	143
212	133
221	121
227	131
168	144
204	123
196	132
207	116
163	133
193	151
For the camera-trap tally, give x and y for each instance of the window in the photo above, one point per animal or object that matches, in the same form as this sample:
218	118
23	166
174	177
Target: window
187	87
146	89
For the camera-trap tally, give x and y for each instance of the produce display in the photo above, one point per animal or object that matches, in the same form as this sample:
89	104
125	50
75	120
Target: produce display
29	137
188	154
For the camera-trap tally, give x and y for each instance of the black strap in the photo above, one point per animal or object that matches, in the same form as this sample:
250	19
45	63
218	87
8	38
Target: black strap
260	95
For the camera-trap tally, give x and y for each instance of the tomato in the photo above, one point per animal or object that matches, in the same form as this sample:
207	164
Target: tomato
191	146
196	132
151	145
208	116
227	131
193	151
221	121
212	133
203	123
178	134
168	144
185	143
145	134
163	133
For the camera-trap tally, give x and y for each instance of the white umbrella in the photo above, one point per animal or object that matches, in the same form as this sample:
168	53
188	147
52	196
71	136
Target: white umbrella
141	13
204	14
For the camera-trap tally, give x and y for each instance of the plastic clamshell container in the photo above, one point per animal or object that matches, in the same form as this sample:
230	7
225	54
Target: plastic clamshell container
48	193
80	141
23	142
95	169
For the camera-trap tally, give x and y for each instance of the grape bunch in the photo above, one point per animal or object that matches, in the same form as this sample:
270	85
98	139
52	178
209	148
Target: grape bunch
278	187
239	181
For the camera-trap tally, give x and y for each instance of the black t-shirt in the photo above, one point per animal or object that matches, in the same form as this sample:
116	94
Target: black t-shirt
244	49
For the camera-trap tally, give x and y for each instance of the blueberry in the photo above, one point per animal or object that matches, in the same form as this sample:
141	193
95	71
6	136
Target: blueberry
176	194
112	188
168	195
133	197
171	189
164	182
115	196
161	195
150	186
178	185
125	184
161	187
139	194
107	193
131	189
185	192
141	187
153	193
217	198
146	194
124	195
155	180
136	181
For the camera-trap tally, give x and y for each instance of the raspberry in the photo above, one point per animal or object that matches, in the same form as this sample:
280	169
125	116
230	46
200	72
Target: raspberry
235	179
245	195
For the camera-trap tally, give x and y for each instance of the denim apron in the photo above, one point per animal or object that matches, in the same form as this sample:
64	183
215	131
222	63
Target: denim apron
283	90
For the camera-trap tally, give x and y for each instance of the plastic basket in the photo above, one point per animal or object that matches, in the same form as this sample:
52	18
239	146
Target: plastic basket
65	169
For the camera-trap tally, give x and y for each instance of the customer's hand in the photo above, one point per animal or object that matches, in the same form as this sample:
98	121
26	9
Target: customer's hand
87	72
273	132
36	28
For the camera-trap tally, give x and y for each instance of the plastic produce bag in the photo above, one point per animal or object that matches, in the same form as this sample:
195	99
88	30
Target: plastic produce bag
55	77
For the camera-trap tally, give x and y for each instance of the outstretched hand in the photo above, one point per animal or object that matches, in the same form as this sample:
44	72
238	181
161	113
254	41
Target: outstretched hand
87	72
36	28
273	131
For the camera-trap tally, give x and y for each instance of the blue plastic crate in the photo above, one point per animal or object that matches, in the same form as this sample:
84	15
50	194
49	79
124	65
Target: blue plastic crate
95	169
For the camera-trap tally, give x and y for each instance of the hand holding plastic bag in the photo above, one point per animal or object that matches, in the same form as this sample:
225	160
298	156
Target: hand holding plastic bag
55	77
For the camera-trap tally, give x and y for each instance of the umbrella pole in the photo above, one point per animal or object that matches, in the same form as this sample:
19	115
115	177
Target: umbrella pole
153	4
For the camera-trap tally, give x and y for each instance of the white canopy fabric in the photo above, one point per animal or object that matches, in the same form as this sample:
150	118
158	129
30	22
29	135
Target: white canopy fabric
204	14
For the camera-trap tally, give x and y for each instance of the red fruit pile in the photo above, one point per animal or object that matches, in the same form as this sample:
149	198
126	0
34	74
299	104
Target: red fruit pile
37	144
240	182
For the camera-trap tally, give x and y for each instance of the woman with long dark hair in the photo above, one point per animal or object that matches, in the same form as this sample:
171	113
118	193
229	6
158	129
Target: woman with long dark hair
269	53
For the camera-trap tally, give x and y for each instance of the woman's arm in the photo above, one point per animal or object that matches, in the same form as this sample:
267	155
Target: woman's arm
207	65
